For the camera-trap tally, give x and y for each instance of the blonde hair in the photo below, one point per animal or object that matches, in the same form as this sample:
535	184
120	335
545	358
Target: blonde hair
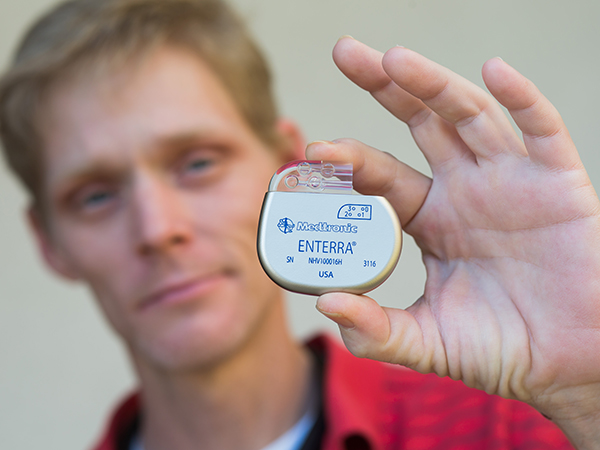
83	35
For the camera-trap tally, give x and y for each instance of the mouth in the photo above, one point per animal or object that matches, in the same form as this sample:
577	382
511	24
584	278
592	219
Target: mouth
179	292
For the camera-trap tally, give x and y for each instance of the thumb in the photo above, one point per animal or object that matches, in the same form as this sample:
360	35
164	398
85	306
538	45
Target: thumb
371	331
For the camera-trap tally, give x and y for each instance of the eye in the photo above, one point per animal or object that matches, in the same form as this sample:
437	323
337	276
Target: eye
94	198
197	164
198	168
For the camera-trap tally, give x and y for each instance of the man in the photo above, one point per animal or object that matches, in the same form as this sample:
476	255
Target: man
146	133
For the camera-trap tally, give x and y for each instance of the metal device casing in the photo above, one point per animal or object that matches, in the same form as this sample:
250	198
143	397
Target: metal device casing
314	243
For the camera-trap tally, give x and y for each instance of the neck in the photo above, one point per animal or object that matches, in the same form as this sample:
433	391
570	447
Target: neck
243	402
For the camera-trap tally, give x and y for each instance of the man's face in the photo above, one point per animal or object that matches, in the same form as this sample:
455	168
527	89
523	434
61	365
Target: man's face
154	186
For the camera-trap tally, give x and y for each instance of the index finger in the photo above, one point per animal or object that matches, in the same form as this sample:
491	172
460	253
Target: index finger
377	173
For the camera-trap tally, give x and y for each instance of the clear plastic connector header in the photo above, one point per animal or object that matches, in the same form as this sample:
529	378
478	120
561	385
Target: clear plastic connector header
313	176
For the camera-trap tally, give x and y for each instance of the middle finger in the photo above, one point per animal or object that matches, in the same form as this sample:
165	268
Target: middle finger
478	119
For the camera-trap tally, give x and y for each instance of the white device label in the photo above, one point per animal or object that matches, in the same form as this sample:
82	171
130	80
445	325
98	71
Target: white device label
316	243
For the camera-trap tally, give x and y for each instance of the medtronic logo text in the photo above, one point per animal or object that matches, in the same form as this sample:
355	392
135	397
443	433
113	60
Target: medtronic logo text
285	225
324	227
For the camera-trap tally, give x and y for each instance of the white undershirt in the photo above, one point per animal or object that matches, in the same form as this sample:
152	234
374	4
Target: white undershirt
292	439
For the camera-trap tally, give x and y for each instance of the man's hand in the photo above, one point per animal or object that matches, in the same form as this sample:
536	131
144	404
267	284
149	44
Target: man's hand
509	230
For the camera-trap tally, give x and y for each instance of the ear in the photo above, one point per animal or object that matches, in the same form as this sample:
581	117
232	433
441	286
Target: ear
51	254
293	144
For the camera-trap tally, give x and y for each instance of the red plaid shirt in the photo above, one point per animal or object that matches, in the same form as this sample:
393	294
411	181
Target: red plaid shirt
369	405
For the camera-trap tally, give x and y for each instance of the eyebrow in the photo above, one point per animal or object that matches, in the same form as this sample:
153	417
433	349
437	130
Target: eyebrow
178	139
171	146
173	141
96	168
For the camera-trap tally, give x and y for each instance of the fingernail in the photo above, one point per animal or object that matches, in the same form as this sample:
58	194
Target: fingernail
345	36
497	57
340	319
321	142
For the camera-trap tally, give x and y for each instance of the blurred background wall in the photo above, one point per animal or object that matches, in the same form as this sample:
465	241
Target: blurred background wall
61	370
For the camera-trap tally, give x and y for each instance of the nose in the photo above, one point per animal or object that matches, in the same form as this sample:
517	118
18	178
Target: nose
161	219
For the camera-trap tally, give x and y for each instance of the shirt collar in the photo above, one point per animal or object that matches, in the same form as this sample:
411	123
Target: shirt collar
352	395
